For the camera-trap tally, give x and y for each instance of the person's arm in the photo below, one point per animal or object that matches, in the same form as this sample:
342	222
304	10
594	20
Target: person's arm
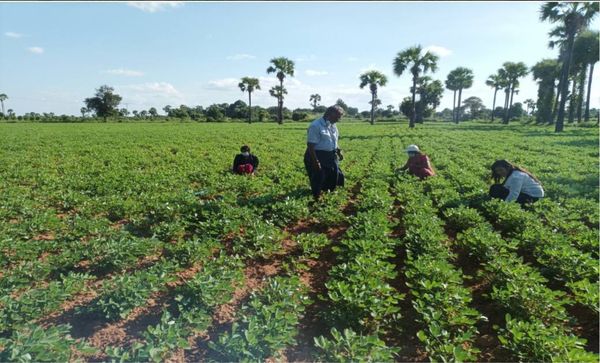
313	138
236	162
428	163
402	168
313	156
255	161
514	183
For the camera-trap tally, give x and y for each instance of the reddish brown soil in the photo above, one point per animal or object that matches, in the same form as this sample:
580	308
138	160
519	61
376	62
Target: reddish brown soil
411	349
487	340
224	315
311	325
47	236
119	224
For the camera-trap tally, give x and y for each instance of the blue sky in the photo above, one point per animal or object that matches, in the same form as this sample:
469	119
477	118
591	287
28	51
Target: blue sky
53	55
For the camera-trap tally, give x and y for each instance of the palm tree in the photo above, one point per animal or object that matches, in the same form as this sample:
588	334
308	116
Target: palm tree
278	92
249	84
545	72
3	97
495	82
452	86
461	78
505	85
586	50
374	79
573	17
315	99
281	67
578	69
513	71
419	64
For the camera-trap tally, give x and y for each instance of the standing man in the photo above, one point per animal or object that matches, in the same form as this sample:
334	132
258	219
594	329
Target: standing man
322	155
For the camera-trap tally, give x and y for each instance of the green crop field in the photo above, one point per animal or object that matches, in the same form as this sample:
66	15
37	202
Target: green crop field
134	242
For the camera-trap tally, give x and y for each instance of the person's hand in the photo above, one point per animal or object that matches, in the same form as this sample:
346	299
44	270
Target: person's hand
339	154
317	167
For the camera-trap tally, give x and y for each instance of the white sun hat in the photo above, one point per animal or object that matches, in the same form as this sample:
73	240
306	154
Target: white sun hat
412	148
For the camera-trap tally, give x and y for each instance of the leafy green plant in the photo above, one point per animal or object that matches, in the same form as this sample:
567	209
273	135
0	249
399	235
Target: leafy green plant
535	341
259	239
32	343
349	346
159	341
311	244
268	323
123	293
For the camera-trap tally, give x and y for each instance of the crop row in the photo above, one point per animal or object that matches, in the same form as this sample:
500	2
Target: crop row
437	287
536	318
362	304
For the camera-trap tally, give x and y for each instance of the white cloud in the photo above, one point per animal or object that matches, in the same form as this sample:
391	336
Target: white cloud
438	50
223	84
125	72
154	6
155	88
240	57
312	72
229	84
36	50
151	94
13	35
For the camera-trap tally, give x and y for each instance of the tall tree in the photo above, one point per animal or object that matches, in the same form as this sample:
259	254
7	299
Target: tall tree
430	93
3	97
84	111
153	112
495	82
586	50
513	71
475	105
279	92
342	104
314	100
105	103
249	84
281	67
505	84
452	85
418	63
374	79
577	71
572	17
462	79
545	72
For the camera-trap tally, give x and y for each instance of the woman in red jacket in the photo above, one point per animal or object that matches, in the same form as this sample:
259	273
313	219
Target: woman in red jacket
418	164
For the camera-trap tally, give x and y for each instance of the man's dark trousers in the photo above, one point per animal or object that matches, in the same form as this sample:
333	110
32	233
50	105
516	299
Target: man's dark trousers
330	175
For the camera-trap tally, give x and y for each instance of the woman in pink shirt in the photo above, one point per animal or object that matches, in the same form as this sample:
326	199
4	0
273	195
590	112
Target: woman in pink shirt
418	164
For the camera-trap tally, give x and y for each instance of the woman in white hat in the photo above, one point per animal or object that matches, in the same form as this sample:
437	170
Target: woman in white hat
418	164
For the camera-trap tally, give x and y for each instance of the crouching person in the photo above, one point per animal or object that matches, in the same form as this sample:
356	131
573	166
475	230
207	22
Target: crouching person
519	184
245	162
